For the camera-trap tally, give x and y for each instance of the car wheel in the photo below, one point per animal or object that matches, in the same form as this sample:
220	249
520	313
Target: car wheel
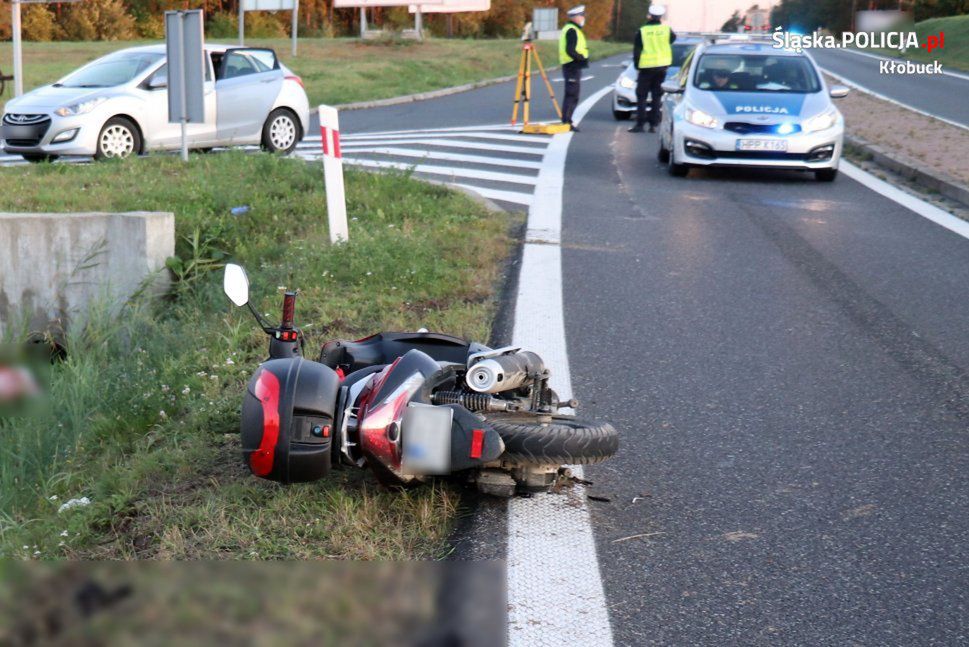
826	174
119	139
621	115
676	170
37	158
280	133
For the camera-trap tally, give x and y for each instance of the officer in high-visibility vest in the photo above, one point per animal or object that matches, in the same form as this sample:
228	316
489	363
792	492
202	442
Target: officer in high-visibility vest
652	54
574	57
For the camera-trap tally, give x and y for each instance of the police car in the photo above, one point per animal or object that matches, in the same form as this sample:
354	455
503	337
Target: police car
752	105
624	89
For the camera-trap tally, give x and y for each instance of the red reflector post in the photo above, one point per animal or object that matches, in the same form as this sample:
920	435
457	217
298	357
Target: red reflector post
477	442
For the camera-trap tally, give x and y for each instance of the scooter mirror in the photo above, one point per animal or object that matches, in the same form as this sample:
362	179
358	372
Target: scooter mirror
235	283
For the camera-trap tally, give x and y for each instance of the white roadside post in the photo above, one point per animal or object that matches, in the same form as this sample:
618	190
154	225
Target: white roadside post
336	201
184	49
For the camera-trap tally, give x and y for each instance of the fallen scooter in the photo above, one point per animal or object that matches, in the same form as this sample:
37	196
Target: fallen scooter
410	406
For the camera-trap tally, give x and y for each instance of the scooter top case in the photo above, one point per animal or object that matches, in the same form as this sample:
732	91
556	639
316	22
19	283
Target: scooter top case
384	348
288	417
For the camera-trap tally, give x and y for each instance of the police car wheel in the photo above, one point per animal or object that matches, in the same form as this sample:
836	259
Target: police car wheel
826	174
676	170
621	115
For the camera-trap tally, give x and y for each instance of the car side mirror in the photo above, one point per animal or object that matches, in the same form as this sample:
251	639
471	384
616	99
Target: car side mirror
671	87
157	84
839	91
235	284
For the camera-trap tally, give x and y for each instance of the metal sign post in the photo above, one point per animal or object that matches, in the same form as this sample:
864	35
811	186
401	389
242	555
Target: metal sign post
18	63
185	50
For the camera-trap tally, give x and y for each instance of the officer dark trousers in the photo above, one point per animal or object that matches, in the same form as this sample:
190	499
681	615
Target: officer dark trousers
573	83
650	81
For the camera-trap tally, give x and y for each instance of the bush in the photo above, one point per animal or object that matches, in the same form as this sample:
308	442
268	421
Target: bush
98	20
38	23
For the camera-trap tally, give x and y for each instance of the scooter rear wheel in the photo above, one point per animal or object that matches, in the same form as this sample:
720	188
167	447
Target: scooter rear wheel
562	441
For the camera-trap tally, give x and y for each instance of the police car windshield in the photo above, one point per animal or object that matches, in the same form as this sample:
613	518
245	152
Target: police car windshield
755	73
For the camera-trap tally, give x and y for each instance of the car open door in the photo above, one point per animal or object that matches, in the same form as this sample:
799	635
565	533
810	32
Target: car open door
248	80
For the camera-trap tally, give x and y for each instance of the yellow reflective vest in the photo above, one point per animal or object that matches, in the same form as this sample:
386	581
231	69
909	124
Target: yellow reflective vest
656	46
580	45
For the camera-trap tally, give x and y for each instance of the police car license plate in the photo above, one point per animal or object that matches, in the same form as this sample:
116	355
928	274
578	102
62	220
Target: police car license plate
767	145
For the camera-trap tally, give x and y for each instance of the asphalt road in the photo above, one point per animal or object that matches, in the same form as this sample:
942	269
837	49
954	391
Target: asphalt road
786	361
941	94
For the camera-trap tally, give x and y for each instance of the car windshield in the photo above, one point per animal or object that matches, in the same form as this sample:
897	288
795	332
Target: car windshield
755	73
680	52
114	69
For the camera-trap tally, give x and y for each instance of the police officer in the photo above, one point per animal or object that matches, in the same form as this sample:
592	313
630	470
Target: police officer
652	54
574	57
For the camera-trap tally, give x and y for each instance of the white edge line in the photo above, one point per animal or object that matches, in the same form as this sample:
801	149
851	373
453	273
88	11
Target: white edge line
878	95
555	593
907	200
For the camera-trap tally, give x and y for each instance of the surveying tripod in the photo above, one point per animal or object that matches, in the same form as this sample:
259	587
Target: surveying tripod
523	89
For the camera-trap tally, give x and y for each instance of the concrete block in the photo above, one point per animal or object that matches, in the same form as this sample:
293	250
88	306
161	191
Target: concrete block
54	265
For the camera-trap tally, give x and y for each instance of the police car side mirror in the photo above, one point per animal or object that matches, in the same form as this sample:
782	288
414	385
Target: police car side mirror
671	87
838	91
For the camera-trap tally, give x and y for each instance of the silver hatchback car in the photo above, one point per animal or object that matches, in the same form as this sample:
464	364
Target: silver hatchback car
117	106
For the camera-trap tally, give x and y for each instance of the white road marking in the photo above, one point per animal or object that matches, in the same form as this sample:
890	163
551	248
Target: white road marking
449	157
450	143
534	139
449	171
506	196
584	78
907	200
878	95
880	57
425	130
555	593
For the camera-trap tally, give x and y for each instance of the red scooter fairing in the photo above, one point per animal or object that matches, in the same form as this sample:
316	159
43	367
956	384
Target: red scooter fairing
385	438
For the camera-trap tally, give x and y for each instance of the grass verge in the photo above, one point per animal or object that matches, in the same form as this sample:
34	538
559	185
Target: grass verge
956	51
339	70
142	417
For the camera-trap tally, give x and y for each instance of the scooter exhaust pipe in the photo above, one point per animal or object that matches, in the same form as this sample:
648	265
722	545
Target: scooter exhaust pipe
504	373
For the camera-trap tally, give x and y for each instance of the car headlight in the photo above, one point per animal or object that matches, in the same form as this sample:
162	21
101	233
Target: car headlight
80	108
700	118
822	121
627	82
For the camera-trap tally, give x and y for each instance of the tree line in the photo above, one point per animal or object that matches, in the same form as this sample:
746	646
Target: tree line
836	15
143	19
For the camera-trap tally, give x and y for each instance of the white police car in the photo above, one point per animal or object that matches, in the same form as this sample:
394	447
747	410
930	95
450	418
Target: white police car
624	89
749	104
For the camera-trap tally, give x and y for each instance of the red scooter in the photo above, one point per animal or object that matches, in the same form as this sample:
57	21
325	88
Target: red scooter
410	406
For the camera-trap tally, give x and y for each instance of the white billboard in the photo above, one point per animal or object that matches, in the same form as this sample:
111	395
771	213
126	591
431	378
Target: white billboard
269	5
353	4
453	6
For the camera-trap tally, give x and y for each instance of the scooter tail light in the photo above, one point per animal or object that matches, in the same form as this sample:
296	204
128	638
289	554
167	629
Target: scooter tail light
267	392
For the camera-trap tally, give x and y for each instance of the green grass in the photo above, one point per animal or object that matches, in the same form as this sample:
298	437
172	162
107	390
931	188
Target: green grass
956	50
338	70
172	484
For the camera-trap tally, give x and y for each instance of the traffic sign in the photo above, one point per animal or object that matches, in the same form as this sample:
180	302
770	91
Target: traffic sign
185	50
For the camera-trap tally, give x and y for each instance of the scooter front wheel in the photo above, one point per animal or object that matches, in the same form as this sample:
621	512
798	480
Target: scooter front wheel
563	440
